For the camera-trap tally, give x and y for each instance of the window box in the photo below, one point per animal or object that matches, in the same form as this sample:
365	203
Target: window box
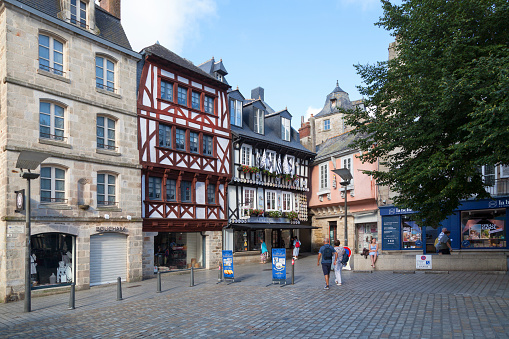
249	169
274	214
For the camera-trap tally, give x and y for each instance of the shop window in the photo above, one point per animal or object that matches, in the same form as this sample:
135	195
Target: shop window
51	259
247	240
412	233
483	229
174	251
365	232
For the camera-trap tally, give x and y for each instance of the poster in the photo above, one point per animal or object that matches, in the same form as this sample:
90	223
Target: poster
423	262
391	233
228	264
279	264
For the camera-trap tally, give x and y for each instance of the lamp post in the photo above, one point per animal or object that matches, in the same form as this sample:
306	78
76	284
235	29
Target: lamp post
28	160
346	176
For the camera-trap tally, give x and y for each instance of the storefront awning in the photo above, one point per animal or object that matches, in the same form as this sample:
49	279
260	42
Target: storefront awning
256	226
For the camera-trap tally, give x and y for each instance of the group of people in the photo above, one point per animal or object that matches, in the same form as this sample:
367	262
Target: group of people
264	252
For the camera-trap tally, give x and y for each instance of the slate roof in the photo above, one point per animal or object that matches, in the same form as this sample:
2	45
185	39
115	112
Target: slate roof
109	26
339	95
338	144
164	53
251	101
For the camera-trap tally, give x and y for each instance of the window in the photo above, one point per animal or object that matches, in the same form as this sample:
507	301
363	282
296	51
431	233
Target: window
154	188
104	74
488	174
52	184
207	145
285	129
236	112
105	189
164	136
51	55
287	202
270	200
211	194
208	105
180	139
324	176
249	200
166	90
171	190
258	121
182	95
326	125
411	233
105	133
193	142
483	228
347	163
51	121
195	100
245	157
248	240
79	13
185	191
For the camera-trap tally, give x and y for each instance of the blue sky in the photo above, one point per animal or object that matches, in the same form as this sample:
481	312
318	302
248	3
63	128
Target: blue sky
295	50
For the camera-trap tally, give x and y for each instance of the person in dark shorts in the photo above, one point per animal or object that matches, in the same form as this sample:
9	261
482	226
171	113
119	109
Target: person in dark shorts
327	254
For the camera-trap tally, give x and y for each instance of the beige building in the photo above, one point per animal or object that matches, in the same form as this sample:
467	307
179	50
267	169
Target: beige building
68	90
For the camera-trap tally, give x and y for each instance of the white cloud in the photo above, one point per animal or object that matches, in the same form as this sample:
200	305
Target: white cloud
311	110
171	22
364	4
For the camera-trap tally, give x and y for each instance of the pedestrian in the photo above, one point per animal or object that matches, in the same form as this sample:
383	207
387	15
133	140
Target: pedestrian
437	240
373	252
326	253
264	252
444	244
338	265
296	248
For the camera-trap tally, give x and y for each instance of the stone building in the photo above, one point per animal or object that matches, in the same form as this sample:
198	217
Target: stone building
69	91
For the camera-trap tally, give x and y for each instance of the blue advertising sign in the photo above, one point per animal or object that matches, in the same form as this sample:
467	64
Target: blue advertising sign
279	264
228	264
391	233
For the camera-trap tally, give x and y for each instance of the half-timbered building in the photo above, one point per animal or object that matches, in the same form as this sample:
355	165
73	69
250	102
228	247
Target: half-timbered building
267	196
184	148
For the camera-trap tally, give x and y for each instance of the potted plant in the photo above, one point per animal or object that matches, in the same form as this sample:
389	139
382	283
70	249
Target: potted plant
292	215
274	214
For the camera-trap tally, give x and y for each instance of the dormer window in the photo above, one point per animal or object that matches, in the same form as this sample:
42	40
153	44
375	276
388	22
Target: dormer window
219	77
285	129
326	124
236	112
259	121
79	13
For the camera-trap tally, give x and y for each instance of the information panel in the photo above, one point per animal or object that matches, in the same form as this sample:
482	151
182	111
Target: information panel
279	264
423	262
391	233
228	264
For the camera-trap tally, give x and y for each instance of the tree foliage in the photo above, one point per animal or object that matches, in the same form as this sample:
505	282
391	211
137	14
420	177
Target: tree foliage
440	109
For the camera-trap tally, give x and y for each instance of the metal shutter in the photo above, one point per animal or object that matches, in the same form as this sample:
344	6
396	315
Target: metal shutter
108	258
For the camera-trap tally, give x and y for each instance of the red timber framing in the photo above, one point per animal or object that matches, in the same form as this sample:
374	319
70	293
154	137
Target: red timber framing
204	169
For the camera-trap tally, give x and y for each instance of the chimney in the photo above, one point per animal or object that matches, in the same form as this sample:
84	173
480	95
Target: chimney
111	6
257	93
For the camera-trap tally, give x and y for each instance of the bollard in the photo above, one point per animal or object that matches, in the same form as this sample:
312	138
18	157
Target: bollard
158	282
220	275
191	284
119	289
293	271
72	297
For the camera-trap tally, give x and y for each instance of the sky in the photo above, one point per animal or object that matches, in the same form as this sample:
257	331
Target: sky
295	49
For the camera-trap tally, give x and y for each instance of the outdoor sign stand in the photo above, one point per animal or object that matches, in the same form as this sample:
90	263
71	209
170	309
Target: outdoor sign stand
228	273
279	266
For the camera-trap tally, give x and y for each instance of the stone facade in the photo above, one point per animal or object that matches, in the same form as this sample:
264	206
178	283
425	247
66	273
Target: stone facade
24	87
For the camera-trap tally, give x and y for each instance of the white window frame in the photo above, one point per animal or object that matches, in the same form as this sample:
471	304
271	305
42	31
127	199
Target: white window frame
54	66
107	81
324	177
270	196
107	189
285	129
504	171
259	121
347	162
236	112
248	200
53	128
326	125
80	14
286	198
53	180
246	152
107	140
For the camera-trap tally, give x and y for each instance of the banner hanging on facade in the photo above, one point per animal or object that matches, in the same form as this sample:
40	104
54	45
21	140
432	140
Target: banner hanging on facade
279	264
228	264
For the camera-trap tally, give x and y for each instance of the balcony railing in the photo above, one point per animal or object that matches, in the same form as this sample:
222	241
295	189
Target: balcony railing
54	200
107	147
499	187
51	70
106	203
106	88
52	136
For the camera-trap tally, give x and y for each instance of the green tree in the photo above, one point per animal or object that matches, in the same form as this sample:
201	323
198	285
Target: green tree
440	109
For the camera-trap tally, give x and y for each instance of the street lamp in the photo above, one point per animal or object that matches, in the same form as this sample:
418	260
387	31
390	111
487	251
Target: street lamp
345	174
29	160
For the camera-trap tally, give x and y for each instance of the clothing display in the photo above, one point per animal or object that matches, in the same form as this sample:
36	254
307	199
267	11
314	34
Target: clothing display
64	272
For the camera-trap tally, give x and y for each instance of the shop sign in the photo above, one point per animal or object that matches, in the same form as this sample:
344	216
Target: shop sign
228	264
279	264
15	229
111	229
423	262
391	234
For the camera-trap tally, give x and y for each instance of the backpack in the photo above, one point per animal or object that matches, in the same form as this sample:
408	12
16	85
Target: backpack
436	242
345	258
297	244
327	253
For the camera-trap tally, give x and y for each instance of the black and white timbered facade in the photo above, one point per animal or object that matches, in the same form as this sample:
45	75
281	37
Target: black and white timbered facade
184	148
267	196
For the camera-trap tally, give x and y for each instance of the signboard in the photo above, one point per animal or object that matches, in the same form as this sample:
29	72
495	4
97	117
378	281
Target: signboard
228	264
20	201
423	262
279	264
13	229
349	252
391	234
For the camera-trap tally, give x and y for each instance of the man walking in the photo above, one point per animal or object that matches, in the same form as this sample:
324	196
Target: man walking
326	253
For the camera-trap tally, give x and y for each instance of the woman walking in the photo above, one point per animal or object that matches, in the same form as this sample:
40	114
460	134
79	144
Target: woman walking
265	252
373	252
338	266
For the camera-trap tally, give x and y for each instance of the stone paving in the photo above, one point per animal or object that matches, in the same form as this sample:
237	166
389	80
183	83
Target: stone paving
367	305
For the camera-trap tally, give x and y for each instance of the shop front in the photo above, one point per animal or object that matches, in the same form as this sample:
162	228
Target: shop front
178	250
